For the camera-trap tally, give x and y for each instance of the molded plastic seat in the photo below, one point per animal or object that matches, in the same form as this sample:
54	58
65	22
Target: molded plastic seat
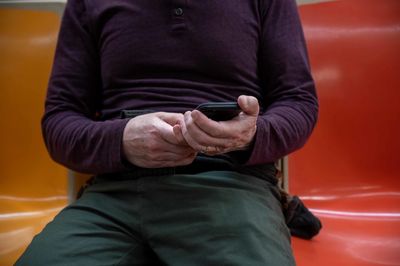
348	173
32	187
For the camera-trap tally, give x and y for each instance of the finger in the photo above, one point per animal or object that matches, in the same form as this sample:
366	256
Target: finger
177	129
159	144
235	133
197	138
172	134
211	127
225	129
170	118
249	105
167	133
187	136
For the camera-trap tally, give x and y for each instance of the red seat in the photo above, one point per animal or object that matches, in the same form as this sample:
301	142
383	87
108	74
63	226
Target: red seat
348	173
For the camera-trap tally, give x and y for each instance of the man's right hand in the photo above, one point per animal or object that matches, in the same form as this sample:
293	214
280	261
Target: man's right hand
149	141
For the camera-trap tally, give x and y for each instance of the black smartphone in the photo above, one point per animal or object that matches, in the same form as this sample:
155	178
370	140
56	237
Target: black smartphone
219	111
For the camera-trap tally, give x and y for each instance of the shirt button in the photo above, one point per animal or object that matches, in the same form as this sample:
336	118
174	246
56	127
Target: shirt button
178	11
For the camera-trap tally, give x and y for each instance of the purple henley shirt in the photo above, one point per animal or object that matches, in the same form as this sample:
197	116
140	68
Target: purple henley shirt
171	56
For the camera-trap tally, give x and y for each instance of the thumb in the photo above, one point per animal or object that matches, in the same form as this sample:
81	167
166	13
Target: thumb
170	118
249	105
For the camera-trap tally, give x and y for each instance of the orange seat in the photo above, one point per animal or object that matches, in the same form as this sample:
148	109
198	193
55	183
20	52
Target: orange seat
32	187
348	173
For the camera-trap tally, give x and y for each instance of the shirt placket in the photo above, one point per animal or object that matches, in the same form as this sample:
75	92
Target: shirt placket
179	13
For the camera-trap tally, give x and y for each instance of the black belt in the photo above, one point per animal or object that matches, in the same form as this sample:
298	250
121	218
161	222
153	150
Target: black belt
200	165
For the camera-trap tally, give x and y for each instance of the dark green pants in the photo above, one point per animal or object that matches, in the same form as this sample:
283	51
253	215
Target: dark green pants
212	218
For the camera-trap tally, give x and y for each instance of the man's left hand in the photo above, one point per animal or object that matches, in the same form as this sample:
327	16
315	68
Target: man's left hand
213	137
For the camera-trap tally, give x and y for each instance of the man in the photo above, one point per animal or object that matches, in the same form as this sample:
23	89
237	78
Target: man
173	186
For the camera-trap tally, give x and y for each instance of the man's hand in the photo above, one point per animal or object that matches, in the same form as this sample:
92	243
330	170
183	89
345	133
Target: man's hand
212	137
149	141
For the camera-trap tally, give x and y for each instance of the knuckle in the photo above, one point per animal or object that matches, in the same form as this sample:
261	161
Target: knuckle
152	147
149	127
180	116
154	132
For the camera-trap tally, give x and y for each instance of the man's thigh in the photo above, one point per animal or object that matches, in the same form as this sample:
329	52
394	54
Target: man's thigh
216	218
98	229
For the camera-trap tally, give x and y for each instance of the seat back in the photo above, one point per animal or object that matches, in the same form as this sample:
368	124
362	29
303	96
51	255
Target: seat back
348	172
32	187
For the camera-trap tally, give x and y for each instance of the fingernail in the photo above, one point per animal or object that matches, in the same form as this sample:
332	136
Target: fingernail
248	102
195	114
245	102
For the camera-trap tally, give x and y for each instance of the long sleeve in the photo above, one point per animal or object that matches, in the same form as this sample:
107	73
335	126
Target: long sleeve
108	59
290	97
72	135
